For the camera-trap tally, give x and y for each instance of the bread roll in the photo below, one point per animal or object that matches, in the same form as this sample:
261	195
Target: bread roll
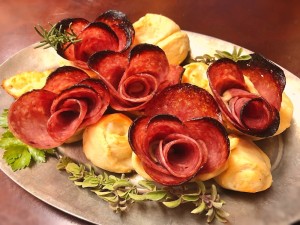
106	145
161	31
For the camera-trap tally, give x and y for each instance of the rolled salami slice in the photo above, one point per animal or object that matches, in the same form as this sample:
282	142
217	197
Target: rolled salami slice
64	77
70	25
110	66
269	79
255	114
28	117
120	24
95	37
173	151
133	82
185	101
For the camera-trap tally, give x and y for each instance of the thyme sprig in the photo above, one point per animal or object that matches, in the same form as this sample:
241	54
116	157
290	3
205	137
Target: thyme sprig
56	36
121	192
236	55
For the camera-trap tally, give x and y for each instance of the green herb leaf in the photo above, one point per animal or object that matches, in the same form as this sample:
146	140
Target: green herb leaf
156	195
147	184
173	204
236	55
37	155
200	208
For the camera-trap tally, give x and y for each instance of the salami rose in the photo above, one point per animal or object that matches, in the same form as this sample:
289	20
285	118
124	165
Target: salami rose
135	80
46	118
180	136
257	113
110	31
172	151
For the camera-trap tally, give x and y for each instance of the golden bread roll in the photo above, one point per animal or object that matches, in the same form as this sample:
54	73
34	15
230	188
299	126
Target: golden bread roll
206	176
24	82
195	73
249	169
286	113
161	31
106	145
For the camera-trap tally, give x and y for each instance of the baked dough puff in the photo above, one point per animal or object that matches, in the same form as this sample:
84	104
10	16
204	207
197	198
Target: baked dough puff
161	31
105	143
249	169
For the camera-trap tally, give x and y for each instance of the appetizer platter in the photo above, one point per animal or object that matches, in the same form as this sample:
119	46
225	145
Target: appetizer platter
232	134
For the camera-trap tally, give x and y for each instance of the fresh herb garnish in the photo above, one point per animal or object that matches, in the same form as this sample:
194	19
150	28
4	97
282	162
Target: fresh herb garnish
56	36
120	192
236	55
17	154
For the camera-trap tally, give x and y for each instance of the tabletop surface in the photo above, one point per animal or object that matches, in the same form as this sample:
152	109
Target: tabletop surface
268	27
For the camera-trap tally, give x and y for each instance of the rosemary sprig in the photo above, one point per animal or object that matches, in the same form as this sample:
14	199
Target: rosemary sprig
121	192
236	55
56	36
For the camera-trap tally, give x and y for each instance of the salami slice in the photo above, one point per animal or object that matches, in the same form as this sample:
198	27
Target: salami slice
120	24
28	117
173	151
64	77
254	114
99	106
110	66
70	25
134	81
268	79
95	37
186	101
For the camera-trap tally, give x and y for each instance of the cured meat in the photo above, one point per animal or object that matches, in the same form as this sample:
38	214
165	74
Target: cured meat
133	82
70	25
268	79
64	77
94	38
255	114
180	136
173	151
45	119
110	66
28	117
120	24
110	31
186	101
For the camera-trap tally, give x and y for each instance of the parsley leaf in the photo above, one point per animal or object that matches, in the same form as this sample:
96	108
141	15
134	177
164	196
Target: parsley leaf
17	154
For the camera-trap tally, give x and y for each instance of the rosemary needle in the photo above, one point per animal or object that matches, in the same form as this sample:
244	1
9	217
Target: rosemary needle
56	36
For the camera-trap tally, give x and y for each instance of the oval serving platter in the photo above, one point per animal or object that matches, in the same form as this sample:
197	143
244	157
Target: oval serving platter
277	205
